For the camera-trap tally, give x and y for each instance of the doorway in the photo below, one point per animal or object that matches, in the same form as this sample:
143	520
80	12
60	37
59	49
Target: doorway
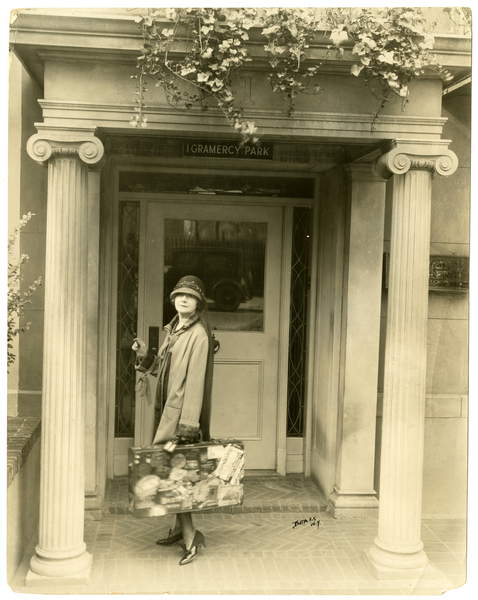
235	251
250	241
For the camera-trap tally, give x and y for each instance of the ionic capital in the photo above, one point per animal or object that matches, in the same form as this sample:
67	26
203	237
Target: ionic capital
434	157
89	149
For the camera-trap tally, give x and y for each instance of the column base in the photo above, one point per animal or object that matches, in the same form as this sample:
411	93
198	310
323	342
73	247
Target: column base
352	505
396	565
75	570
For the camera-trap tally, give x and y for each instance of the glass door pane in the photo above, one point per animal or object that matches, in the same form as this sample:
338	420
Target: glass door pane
228	256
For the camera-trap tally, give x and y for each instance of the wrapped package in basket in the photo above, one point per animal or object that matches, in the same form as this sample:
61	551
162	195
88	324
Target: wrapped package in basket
193	477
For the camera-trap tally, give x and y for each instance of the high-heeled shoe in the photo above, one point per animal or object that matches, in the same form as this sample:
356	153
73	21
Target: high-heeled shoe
191	552
172	538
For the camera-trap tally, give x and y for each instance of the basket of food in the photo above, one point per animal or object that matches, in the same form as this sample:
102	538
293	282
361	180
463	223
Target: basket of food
185	478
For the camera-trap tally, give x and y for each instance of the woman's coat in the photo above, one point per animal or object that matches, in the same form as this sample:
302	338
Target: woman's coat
184	371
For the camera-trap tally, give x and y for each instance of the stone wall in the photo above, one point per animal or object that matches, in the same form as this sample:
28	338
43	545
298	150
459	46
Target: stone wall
23	478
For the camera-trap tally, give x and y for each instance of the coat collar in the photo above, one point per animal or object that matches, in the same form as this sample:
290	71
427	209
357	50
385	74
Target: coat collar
170	327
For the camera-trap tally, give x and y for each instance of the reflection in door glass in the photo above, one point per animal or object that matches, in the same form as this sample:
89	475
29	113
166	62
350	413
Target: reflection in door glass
229	257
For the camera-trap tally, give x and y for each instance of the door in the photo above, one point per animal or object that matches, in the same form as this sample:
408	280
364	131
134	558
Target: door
236	251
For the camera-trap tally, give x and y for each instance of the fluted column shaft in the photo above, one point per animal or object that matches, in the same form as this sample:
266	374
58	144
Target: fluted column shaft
398	546
61	551
405	361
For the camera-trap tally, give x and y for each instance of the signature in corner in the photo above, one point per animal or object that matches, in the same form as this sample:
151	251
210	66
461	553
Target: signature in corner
311	521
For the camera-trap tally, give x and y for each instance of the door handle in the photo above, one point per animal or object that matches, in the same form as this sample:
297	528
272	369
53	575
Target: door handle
153	339
216	344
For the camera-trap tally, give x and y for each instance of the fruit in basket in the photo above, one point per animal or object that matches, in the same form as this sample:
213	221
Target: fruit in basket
146	487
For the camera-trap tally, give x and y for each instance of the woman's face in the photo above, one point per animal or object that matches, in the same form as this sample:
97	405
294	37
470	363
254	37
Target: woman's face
185	304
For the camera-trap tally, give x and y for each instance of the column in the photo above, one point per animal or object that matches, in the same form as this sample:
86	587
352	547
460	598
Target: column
397	551
354	492
61	552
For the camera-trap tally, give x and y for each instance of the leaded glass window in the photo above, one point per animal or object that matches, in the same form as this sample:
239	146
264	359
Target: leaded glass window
299	295
128	246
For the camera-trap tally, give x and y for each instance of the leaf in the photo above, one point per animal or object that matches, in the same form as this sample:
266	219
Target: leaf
368	41
386	57
186	71
339	36
356	70
271	29
207	53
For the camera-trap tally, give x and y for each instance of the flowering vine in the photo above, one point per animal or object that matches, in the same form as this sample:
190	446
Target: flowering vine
391	46
216	49
193	54
17	298
289	32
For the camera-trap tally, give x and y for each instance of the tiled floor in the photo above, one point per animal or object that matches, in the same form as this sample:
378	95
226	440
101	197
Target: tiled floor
256	550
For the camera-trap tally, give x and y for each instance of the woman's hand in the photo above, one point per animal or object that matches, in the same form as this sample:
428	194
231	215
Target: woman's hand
187	434
145	357
139	346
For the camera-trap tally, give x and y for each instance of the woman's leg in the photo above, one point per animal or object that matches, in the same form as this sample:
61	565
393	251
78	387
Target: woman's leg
187	526
173	532
176	528
193	538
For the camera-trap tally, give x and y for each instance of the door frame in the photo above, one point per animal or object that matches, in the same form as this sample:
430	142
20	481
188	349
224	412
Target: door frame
111	199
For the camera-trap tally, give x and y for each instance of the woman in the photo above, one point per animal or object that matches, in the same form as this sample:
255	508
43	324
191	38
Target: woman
184	370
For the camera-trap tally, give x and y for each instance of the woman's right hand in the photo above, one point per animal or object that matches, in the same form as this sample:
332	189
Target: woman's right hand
139	346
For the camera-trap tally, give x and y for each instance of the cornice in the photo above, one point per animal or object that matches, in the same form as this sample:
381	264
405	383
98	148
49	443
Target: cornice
120	24
46	103
117	35
270	122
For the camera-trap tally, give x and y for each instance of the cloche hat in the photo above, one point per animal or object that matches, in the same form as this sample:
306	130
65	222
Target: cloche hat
192	285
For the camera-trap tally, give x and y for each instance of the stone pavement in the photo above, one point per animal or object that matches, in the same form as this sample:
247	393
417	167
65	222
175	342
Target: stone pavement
273	544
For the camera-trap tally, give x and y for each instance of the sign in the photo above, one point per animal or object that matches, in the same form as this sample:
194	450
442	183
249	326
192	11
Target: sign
214	149
445	274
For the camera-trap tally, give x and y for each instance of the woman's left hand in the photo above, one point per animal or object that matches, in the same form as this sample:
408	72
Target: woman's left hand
187	434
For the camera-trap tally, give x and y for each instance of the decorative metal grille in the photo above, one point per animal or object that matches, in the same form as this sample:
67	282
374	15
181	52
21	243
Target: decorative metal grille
299	295
128	246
